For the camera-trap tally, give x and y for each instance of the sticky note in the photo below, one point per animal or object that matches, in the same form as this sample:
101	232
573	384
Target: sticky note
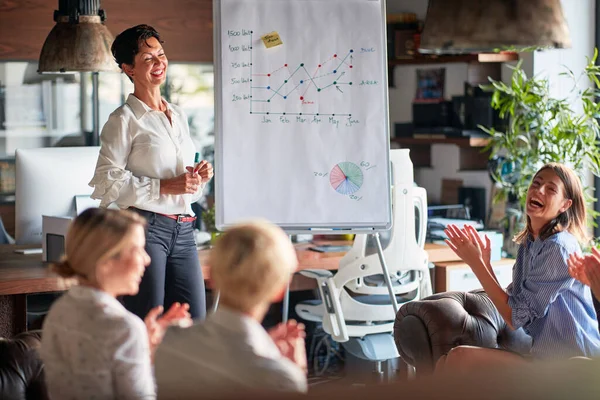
271	39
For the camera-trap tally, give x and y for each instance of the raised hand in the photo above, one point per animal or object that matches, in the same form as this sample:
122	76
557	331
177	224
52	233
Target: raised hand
593	274
466	244
577	268
289	339
157	325
586	269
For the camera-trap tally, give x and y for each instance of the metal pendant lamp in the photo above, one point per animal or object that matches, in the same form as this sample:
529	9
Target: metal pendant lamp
79	41
475	26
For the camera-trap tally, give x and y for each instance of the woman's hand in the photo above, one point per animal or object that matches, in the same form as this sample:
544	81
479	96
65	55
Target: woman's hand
157	326
485	247
289	338
586	269
577	268
205	170
467	244
187	183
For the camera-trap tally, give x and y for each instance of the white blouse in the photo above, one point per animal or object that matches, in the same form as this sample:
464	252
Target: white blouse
93	348
139	147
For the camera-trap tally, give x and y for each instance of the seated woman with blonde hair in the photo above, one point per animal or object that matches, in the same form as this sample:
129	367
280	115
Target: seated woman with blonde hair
231	353
92	347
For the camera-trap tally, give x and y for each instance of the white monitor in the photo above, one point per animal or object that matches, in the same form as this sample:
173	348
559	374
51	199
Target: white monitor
48	180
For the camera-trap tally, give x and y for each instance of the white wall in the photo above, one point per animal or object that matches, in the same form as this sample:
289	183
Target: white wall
580	16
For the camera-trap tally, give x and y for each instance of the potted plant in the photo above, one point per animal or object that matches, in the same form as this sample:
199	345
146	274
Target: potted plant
208	217
541	129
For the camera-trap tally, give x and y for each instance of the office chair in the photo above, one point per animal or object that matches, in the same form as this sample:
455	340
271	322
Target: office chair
355	307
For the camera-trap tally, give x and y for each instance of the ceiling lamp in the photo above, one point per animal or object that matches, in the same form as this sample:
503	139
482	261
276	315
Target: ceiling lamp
475	26
79	41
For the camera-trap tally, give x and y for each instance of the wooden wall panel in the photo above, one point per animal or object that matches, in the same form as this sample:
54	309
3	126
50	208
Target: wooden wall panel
185	25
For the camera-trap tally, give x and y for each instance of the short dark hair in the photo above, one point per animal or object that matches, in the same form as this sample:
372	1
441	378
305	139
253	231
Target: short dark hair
127	43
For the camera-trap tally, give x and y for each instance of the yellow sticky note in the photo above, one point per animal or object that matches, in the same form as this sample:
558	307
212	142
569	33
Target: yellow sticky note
271	39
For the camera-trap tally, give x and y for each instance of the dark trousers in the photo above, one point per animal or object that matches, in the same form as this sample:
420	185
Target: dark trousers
174	274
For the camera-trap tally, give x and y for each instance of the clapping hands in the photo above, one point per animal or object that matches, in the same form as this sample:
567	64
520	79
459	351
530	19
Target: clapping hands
468	245
586	269
157	325
289	338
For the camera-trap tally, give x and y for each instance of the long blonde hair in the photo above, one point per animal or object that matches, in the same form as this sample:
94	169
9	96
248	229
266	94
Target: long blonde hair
574	218
94	236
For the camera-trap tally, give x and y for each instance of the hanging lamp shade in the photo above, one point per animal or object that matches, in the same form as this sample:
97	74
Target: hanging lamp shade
79	41
475	26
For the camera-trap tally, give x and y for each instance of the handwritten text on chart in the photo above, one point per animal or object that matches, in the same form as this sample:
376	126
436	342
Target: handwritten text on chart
313	119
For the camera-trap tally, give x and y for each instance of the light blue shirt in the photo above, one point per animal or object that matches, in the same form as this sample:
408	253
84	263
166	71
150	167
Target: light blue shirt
553	308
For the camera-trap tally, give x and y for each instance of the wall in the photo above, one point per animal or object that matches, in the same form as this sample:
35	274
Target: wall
445	158
185	25
580	17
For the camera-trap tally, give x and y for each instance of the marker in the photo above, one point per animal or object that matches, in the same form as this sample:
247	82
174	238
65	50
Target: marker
196	162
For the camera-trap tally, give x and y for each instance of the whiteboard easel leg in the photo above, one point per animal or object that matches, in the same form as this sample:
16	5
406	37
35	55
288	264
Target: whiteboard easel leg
386	274
286	301
286	304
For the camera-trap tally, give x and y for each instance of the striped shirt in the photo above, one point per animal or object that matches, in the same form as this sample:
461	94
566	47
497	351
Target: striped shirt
553	308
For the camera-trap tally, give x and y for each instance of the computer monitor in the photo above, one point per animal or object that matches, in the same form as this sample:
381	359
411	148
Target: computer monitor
47	181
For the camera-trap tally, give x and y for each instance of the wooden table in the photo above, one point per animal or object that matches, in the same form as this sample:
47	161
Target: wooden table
21	275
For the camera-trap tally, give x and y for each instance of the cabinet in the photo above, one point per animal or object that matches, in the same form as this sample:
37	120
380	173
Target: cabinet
458	276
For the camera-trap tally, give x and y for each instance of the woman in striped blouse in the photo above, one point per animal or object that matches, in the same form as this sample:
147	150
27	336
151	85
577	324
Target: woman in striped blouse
551	306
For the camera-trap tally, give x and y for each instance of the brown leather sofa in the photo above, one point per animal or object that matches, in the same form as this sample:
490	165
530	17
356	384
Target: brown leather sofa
21	369
427	329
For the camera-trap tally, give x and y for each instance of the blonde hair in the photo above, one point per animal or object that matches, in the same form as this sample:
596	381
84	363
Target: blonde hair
574	218
251	263
94	236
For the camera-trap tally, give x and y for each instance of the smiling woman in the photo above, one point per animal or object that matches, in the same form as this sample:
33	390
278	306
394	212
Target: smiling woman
146	164
553	308
92	346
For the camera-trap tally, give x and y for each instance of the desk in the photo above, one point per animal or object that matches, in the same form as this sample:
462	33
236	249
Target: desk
21	275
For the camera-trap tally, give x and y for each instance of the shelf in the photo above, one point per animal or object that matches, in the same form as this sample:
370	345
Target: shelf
461	142
482	62
459	58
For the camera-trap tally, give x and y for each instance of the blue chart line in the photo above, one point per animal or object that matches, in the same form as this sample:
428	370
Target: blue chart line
297	87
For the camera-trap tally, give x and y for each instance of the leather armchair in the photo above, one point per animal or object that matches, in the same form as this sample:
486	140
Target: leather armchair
427	329
21	369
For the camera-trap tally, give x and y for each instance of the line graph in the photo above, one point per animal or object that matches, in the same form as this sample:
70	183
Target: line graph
297	88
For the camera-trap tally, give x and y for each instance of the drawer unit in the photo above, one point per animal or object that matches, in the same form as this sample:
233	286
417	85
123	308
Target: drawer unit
458	276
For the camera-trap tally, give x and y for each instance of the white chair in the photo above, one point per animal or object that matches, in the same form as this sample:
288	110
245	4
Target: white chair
355	306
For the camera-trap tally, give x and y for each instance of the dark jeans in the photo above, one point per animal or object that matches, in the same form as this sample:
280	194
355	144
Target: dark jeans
174	273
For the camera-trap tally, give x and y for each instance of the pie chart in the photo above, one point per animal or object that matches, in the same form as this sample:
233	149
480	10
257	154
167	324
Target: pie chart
346	178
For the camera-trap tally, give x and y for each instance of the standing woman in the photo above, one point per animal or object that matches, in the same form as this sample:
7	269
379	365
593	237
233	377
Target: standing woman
146	164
